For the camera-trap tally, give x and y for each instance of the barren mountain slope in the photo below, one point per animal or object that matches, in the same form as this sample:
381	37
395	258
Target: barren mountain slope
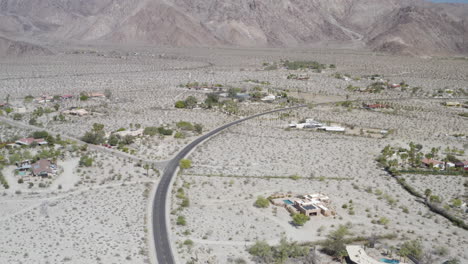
373	23
417	30
19	48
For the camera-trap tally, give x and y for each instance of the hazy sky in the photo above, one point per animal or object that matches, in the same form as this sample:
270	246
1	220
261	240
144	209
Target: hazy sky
450	1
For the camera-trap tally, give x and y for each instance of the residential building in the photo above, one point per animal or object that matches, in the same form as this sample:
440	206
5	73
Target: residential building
43	168
29	141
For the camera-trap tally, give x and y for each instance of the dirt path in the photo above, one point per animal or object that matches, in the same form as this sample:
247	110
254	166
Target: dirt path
68	178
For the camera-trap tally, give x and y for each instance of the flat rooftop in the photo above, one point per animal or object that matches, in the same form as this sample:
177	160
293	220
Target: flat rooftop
309	207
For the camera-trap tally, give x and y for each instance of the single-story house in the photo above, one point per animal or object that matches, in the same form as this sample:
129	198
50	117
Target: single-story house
309	209
66	96
462	164
133	133
452	104
434	163
268	98
24	165
78	112
29	141
376	106
357	255
332	128
242	96
43	168
96	95
44	99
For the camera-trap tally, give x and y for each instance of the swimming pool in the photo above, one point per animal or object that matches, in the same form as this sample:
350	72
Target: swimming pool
391	261
288	202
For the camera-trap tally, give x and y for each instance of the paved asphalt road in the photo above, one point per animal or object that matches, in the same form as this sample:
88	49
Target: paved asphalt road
160	232
160	235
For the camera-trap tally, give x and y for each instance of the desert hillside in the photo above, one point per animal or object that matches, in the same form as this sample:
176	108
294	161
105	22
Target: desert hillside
397	26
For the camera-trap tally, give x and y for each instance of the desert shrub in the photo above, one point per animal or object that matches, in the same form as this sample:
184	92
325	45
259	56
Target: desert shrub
86	161
296	65
165	131
435	199
184	125
180	104
28	98
40	134
262	202
457	202
150	131
3	181
185	202
33	121
188	242
384	221
190	102
181	220
198	128
295	177
17	116
300	219
441	251
179	134
185	163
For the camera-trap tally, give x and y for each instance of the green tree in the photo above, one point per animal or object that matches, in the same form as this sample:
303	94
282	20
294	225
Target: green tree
334	245
262	250
411	248
96	135
300	219
185	163
190	102
211	100
146	167
262	202
113	140
8	110
232	92
84	96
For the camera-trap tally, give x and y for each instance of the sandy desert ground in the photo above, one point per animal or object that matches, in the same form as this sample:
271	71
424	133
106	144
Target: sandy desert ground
100	214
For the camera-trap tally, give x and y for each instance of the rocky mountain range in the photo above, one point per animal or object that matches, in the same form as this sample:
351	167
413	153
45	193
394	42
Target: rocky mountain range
413	27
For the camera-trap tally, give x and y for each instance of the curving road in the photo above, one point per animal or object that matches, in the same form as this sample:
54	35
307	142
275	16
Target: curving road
160	233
